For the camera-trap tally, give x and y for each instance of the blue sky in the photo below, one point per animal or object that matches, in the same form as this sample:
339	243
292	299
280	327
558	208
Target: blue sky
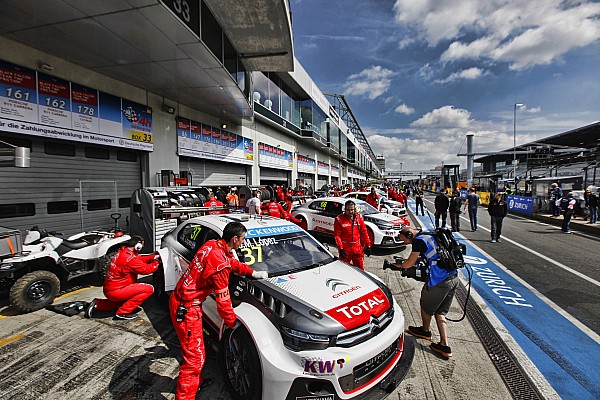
421	74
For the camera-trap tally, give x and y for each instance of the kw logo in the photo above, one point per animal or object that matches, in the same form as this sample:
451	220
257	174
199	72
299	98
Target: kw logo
333	283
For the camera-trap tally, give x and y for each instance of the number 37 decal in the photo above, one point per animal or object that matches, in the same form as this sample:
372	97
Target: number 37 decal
252	254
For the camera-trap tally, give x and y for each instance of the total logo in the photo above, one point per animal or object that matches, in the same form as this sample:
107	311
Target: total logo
359	311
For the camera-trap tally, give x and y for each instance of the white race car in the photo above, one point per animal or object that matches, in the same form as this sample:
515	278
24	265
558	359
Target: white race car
319	215
317	328
385	204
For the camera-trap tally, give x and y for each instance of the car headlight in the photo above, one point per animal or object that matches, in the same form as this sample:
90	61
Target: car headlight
296	340
384	226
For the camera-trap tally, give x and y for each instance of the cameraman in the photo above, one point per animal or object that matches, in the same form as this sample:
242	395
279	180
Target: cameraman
437	293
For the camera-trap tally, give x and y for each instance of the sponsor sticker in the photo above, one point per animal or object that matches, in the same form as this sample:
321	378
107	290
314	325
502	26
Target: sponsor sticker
321	397
359	311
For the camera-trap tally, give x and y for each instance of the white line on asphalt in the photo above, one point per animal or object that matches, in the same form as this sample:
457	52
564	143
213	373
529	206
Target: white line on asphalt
576	232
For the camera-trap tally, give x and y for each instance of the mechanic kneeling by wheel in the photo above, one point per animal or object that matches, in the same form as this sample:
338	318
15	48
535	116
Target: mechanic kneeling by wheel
208	272
123	292
437	293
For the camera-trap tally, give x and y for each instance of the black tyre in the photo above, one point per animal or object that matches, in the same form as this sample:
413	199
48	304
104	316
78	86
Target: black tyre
240	365
105	264
158	282
34	291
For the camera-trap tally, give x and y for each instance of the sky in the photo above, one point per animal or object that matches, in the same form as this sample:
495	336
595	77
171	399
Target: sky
419	75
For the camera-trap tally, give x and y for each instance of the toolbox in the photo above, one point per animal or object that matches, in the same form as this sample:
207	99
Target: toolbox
10	242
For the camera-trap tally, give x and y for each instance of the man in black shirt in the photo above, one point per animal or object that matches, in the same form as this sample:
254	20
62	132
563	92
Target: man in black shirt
419	201
441	203
497	210
455	210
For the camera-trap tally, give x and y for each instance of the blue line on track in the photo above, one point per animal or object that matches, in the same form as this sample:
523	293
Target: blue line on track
566	356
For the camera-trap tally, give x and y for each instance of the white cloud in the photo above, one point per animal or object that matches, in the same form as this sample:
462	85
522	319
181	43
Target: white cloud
466	74
372	82
404	109
444	117
522	34
425	72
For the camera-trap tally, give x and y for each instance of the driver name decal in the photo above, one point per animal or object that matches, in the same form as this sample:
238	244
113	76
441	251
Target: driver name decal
358	312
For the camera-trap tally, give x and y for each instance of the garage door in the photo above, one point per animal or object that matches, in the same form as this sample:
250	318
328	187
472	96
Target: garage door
268	175
214	173
68	185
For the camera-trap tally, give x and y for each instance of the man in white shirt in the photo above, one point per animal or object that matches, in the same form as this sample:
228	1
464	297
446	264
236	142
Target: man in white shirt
253	204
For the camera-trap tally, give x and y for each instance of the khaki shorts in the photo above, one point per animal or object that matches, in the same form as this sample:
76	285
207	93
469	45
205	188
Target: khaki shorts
438	299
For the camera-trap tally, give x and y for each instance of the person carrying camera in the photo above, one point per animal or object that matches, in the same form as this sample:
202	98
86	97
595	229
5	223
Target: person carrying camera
437	293
208	272
350	233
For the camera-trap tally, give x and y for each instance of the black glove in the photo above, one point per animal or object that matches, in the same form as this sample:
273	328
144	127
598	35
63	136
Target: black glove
368	251
388	265
343	253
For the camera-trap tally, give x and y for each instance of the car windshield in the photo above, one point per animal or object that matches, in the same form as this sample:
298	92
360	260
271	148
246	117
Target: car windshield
283	254
364	208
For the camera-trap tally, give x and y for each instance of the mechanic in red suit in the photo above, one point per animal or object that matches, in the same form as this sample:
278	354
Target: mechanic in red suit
351	236
208	272
274	209
373	199
213	202
123	292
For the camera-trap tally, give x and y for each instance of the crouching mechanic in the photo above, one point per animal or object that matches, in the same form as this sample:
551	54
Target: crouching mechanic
437	293
351	236
208	272
123	292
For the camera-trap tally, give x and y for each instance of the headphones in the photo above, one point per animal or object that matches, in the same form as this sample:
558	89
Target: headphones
407	234
138	246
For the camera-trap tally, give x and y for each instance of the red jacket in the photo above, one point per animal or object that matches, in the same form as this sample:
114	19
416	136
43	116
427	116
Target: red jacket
350	231
214	203
209	272
372	200
125	268
274	209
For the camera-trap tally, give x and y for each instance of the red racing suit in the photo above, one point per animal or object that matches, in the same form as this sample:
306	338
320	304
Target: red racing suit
208	272
274	209
214	203
372	200
121	289
351	235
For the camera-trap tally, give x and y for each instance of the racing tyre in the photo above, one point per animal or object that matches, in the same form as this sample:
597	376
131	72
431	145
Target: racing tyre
240	365
158	282
303	224
105	265
34	291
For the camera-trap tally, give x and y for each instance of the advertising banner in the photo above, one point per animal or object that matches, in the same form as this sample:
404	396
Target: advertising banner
34	103
335	171
322	168
520	204
306	165
274	157
204	141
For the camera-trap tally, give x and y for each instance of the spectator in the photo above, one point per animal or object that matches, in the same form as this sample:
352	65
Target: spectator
472	203
566	205
441	204
253	204
593	206
419	200
497	210
555	196
455	210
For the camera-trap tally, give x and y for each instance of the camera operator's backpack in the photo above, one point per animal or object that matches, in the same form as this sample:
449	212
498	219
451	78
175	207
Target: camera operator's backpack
449	250
564	204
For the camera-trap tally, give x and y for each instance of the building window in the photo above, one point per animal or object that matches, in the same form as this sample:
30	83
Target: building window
130	156
97	152
125	202
59	149
62	207
17	210
99	204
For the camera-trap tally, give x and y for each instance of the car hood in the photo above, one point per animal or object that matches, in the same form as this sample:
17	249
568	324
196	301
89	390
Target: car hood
344	293
384	217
